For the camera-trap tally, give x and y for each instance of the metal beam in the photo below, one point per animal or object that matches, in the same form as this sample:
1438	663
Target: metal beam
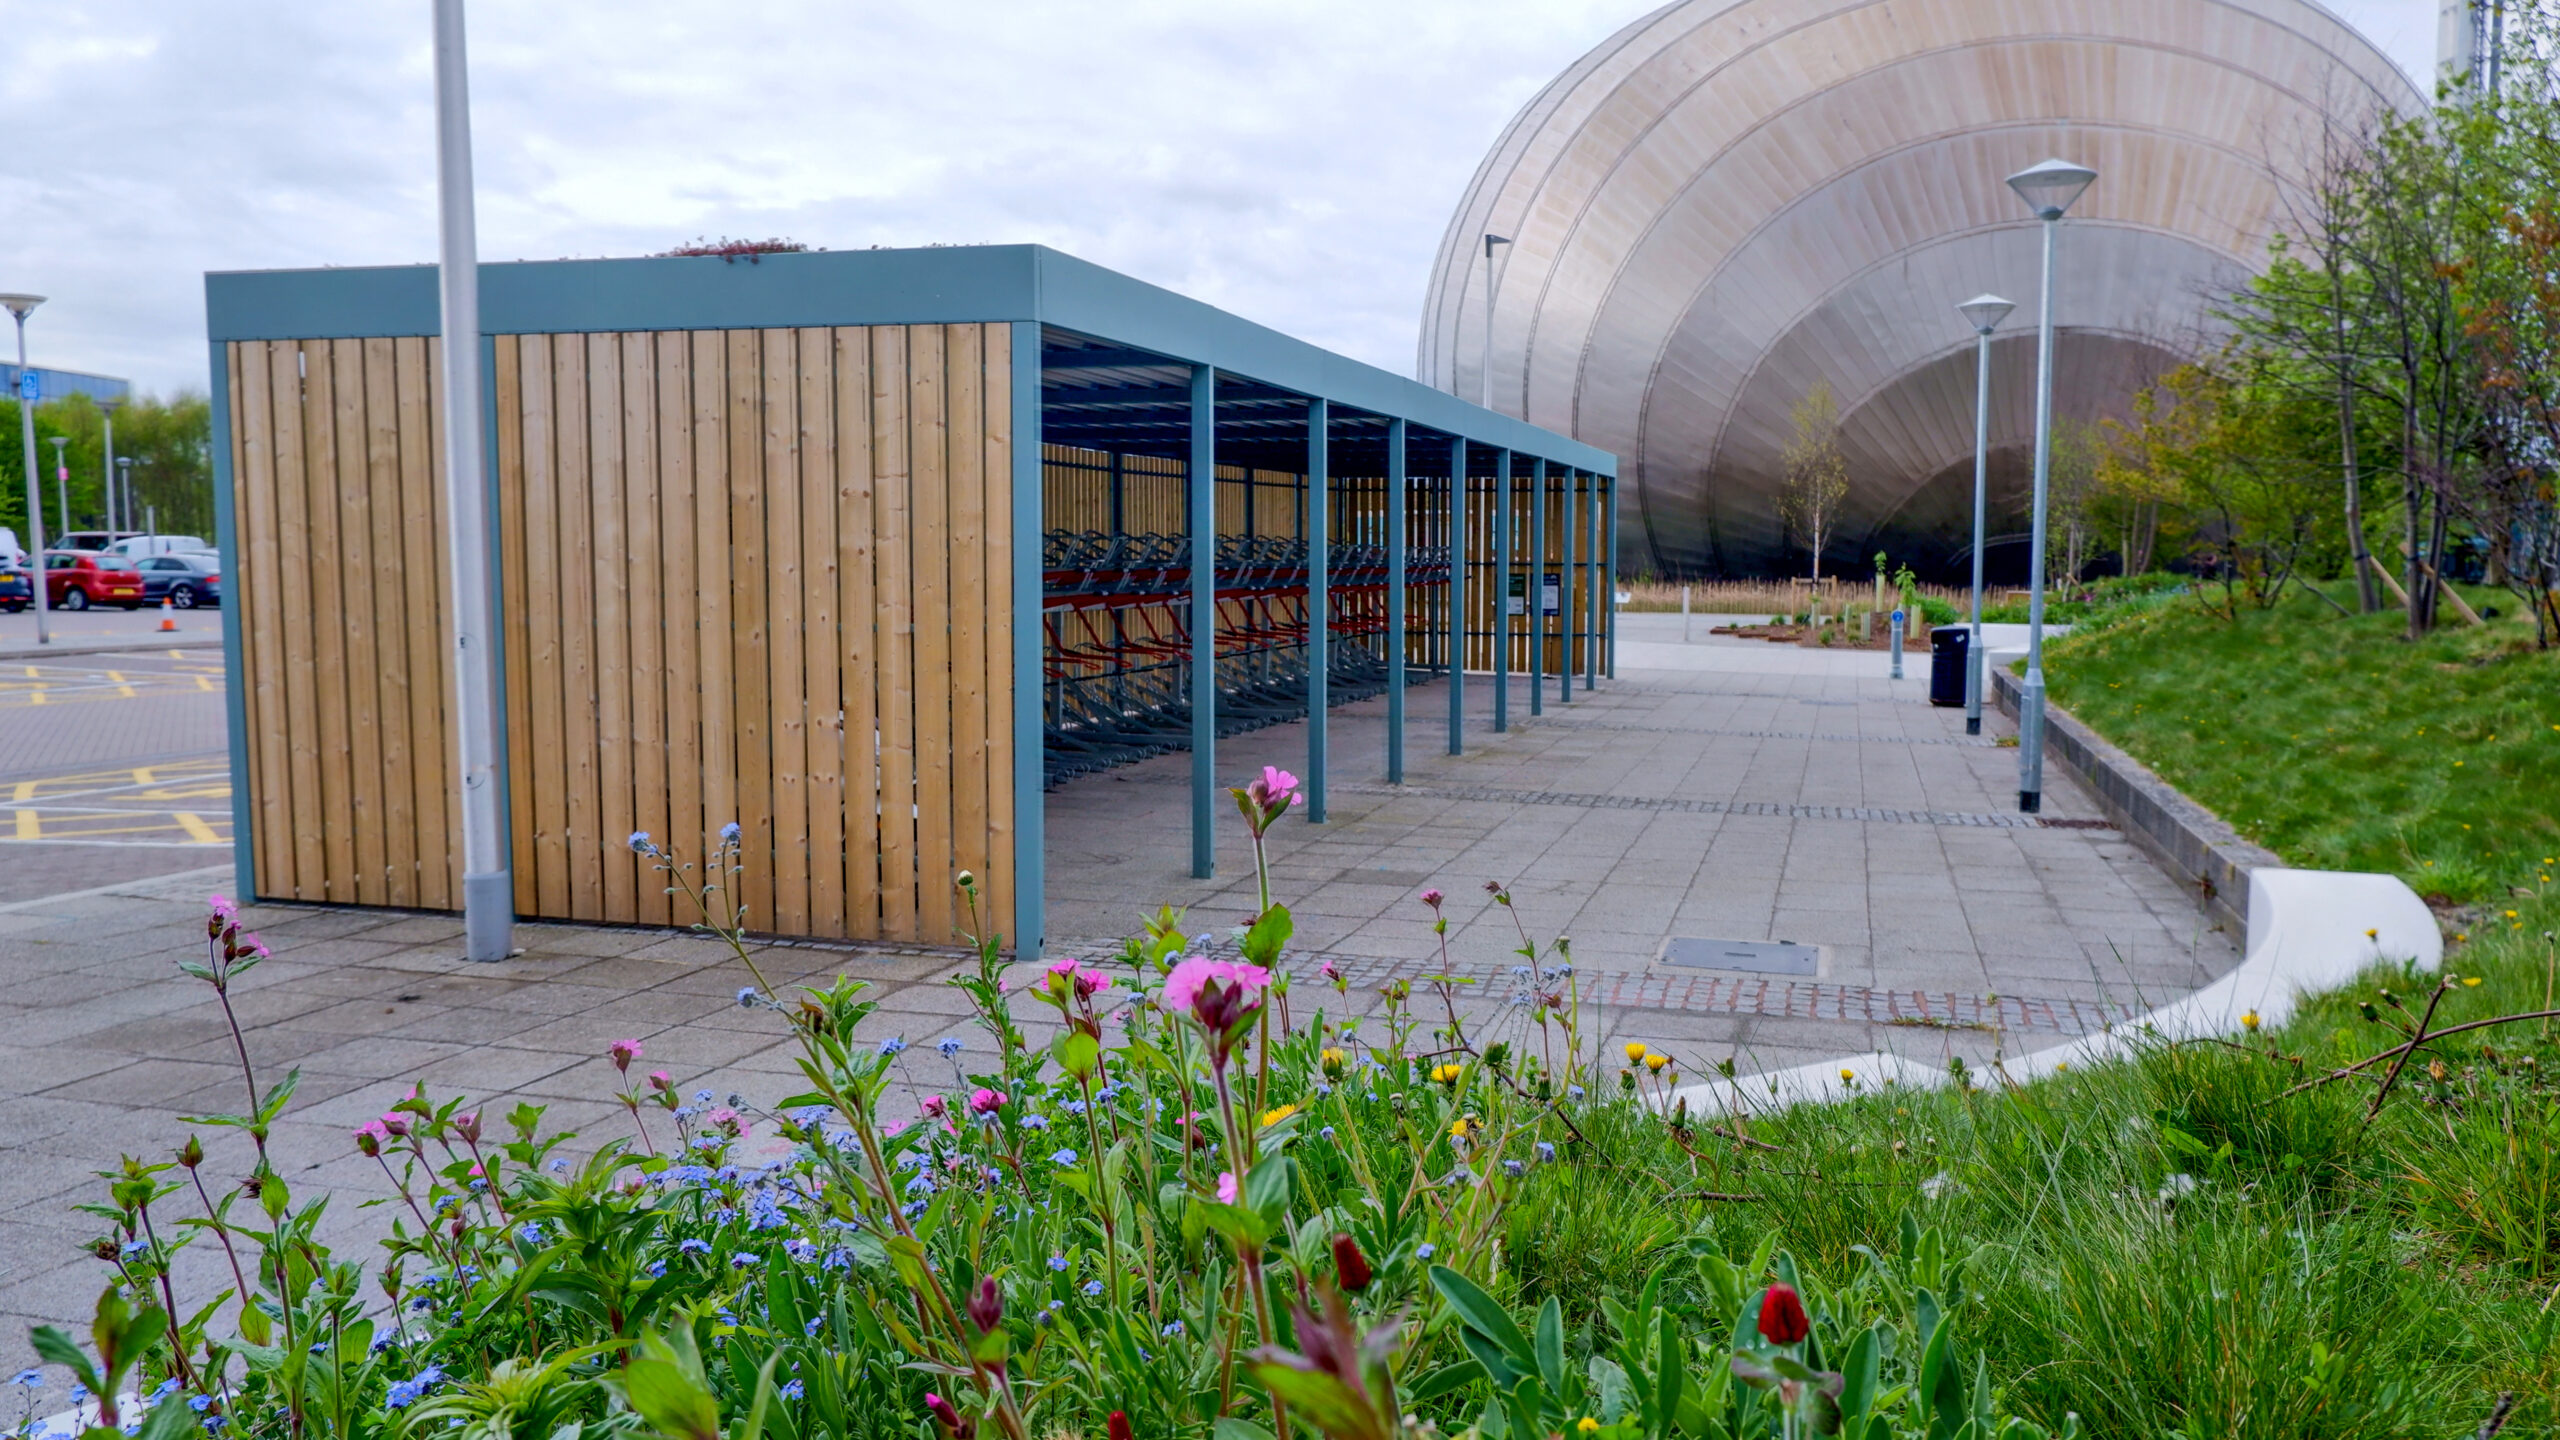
1030	737
1319	609
1201	491
1537	587
1501	591
1567	515
1395	602
1609	530
1590	519
1457	608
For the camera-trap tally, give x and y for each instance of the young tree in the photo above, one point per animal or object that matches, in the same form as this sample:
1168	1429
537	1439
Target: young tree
1817	472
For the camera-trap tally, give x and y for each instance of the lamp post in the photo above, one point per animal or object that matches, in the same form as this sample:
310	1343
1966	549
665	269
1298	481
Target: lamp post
117	512
1984	313
31	390
488	890
124	487
1485	375
2048	188
61	482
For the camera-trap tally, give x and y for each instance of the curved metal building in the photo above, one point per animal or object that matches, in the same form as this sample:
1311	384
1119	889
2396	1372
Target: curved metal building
1731	201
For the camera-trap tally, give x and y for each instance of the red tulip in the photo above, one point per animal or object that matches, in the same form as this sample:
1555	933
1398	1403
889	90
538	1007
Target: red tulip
1350	1264
1118	1426
1782	1320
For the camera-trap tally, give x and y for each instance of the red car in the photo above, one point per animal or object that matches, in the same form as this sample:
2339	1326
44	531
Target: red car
76	580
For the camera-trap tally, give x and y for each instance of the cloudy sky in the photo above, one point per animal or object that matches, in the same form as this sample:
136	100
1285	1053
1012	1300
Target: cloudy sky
1294	161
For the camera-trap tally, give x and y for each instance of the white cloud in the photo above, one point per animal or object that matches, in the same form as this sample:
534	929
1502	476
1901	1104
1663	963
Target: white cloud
1292	160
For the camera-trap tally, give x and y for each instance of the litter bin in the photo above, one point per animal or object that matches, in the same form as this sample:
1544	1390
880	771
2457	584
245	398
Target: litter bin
1948	645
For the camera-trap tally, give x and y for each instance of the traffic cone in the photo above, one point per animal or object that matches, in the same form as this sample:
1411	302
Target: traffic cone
168	614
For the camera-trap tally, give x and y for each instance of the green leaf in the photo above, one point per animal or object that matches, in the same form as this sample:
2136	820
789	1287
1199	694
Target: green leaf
1076	1052
1323	1399
1671	1372
1266	1185
1243	1228
169	1421
1484	1316
1550	1347
1263	942
1444	1380
672	1404
1861	1372
1228	1427
53	1343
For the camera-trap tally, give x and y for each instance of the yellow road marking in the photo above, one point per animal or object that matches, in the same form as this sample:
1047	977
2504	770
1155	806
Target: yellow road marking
27	826
196	829
142	775
36	697
204	682
26	790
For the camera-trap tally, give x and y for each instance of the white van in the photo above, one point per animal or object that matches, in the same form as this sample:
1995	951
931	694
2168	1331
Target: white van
133	547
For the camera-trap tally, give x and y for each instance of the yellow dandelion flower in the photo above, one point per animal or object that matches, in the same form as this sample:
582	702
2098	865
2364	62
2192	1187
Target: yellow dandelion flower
1276	1114
1847	1074
2511	914
2249	1021
1586	1425
1333	1061
2372	934
1656	1061
2470	980
1446	1074
1635	1050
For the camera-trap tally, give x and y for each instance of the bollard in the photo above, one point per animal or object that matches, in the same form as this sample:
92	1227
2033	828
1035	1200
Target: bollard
1897	644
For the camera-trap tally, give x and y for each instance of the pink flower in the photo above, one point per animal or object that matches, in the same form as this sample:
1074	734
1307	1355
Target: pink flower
724	1120
222	907
623	1053
1182	987
1226	1187
1062	967
1277	783
1432	898
661	1080
935	1107
393	1123
371	1137
983	1101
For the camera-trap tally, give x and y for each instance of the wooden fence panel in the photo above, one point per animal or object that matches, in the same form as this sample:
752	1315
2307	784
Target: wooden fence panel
751	576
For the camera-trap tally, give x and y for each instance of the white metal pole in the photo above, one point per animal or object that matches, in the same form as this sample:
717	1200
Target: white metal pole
1485	375
1973	661
2031	695
19	305
116	509
488	891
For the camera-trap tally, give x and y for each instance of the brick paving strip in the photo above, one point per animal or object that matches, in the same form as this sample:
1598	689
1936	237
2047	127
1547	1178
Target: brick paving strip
1765	997
1867	813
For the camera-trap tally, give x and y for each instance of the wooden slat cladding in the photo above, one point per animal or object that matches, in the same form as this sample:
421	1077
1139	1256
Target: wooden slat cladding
341	584
756	575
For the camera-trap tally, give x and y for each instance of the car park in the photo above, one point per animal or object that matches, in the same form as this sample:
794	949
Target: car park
186	579
75	580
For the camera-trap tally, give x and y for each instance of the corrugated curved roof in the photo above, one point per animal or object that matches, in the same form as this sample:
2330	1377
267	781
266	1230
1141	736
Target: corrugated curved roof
1730	200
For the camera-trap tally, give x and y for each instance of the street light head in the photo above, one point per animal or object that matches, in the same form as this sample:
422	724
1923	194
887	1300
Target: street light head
2049	187
111	403
1491	240
19	305
1985	312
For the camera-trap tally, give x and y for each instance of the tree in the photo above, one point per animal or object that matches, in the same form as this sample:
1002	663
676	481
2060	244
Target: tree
170	442
1817	472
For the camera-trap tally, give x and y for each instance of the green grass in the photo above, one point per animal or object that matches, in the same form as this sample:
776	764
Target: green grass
2336	742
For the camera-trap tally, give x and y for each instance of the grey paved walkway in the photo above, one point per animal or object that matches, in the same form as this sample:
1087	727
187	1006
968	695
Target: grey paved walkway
1724	790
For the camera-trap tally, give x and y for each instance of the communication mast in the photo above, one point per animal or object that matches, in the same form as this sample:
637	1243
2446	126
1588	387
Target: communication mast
2469	36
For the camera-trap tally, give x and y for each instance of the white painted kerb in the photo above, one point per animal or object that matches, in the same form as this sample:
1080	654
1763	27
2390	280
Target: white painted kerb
2309	931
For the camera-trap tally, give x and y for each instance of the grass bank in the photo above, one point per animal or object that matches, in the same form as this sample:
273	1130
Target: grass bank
2336	742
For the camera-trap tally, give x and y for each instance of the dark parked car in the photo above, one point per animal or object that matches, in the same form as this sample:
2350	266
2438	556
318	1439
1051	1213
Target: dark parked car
77	580
16	591
188	580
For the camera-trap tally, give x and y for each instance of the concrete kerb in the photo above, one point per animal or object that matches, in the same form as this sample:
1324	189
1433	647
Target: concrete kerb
2309	931
2189	841
102	647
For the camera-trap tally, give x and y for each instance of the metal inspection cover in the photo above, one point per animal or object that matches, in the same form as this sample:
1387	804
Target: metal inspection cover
1761	957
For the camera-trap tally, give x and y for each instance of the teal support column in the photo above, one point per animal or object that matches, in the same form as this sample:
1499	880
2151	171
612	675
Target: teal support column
1501	591
1395	602
235	694
1590	519
1457	597
1200	497
1030	799
1537	587
1569	514
1609	528
1319	610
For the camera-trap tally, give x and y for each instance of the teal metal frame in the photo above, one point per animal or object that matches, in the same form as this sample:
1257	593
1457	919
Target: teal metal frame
1034	290
1395	600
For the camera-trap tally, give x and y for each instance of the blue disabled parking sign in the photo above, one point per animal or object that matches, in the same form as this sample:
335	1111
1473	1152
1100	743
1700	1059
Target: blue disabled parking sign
30	385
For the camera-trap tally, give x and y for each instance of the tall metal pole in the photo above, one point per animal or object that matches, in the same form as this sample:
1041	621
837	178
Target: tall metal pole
2031	695
1201	485
1984	313
1395	601
61	484
488	890
30	389
124	482
119	507
1567	516
1485	375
